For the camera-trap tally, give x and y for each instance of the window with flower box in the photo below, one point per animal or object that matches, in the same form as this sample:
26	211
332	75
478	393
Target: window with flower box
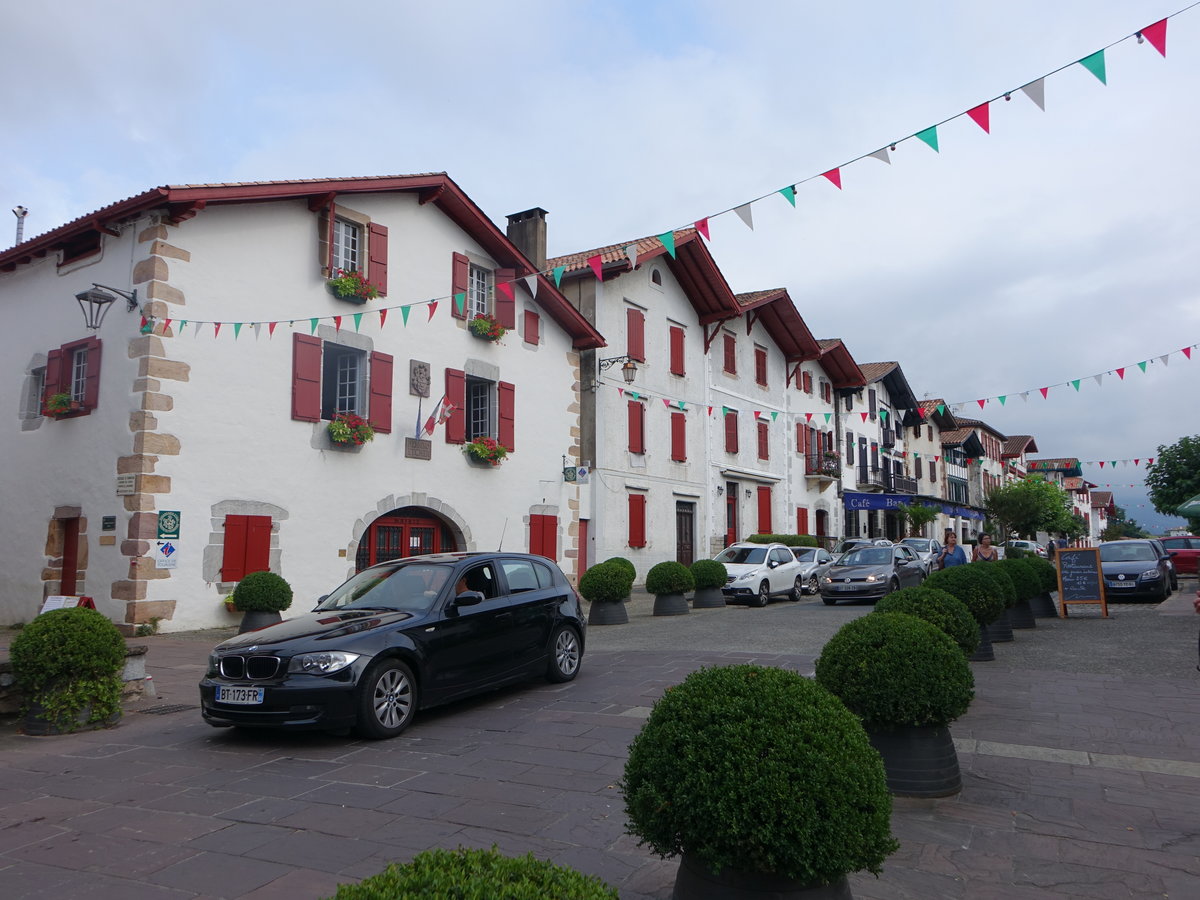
486	291
351	242
480	407
74	369
329	377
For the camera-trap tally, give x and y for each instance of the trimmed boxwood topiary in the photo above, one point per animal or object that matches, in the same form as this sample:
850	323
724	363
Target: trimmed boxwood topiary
262	592
788	540
757	769
67	661
669	578
708	573
624	564
1046	572
939	608
1026	583
465	874
606	582
1000	579
893	670
977	592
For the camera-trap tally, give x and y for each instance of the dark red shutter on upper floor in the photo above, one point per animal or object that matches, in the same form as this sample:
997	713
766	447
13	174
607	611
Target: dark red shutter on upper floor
760	365
456	396
506	298
53	375
460	275
506	432
306	378
532	327
380	410
808	383
377	257
635	334
801	438
676	350
637	426
91	384
679	436
731	432
730	354
764	509
637	520
764	451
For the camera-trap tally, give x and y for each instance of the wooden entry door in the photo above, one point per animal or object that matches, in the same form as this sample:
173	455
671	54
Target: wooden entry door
685	532
403	533
731	512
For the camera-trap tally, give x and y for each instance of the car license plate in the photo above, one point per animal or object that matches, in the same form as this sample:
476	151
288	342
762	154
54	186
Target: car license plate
1122	584
240	696
845	587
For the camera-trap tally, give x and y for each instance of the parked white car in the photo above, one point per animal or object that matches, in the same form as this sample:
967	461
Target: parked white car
758	572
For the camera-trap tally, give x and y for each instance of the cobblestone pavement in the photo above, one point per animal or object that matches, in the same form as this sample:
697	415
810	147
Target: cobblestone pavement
1080	757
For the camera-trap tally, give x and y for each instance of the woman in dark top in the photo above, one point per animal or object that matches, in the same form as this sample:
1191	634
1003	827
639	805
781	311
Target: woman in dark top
984	551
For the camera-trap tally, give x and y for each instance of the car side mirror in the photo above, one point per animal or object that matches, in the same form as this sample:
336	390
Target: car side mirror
772	563
320	600
468	598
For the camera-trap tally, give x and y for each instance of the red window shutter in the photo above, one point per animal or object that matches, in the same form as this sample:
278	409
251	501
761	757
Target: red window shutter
730	354
932	471
637	427
325	230
53	374
635	334
381	392
506	305
731	432
233	560
801	520
764	451
764	509
799	438
460	274
637	520
677	367
532	325
506	432
258	544
456	396
306	378
377	257
760	365
543	536
91	384
808	382
679	437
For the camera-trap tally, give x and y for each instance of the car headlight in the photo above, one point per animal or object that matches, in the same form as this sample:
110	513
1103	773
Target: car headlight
1150	573
826	580
871	578
325	663
214	663
747	577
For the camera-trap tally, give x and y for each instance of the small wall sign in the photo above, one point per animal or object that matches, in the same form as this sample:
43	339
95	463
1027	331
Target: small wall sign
168	524
126	485
108	523
418	449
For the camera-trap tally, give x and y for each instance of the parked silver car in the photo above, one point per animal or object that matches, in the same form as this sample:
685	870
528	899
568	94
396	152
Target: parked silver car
814	562
869	573
926	548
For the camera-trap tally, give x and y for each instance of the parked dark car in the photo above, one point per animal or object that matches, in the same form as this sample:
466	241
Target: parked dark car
1161	549
399	637
1134	570
1184	550
868	573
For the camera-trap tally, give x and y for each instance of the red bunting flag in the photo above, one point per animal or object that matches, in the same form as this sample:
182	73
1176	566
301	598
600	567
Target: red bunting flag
937	459
1121	374
666	402
1045	392
981	403
1187	351
921	411
1102	464
620	391
1150	461
835	176
597	266
1156	34
432	310
710	410
1136	461
271	329
702	227
337	323
167	324
506	288
382	317
864	415
216	329
979	115
808	417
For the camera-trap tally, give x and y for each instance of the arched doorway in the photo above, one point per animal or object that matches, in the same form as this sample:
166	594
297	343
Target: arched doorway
408	531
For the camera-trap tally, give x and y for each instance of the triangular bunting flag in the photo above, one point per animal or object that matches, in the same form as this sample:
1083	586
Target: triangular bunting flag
312	325
666	402
432	310
1075	384
1114	463
506	289
404	311
337	323
702	227
382	317
746	215
257	326
1095	65
921	411
668	241
1098	378
237	329
757	413
1025	396
981	403
725	410
1142	366
271	329
216	328
1121	374
929	136
1036	91
635	395
941	408
183	325
531	285
789	194
980	116
460	303
710	409
835	177
357	321
631	254
1136	461
1150	461
558	274
682	405
808	417
1165	359
882	155
1187	351
864	416
620	391
774	415
937	459
167	324
1002	398
1156	34
596	263
828	416
883	414
1045	393
1102	464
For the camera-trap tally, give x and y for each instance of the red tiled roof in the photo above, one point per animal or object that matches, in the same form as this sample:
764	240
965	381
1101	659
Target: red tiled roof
978	423
1018	444
876	370
1102	499
956	436
1062	462
839	365
647	248
783	322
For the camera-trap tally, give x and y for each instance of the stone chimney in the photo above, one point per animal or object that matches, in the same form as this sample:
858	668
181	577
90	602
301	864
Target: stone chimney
528	231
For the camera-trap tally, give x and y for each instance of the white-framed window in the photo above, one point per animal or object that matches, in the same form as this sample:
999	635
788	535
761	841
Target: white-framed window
79	367
35	394
480	415
479	292
343	380
347	245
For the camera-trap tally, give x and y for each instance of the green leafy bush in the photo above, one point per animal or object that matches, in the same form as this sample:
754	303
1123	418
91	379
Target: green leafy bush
1014	553
465	874
669	578
606	582
1024	580
758	769
788	540
938	608
624	564
67	660
1046	572
708	573
892	670
262	592
977	592
997	576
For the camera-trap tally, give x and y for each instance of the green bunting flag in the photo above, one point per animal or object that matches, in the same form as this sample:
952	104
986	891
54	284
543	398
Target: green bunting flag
460	300
1075	384
404	310
182	325
774	415
725	410
789	194
883	414
1095	65
828	416
237	329
558	274
313	325
357	320
668	241
929	136
941	408
1002	398
1142	366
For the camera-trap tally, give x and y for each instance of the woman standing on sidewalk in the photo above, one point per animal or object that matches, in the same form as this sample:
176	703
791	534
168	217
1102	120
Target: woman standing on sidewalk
952	554
984	551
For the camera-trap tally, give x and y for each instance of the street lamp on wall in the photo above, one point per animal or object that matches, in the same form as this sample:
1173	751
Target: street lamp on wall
95	302
628	366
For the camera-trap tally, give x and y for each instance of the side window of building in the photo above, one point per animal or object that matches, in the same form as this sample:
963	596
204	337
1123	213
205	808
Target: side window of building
477	290
330	378
71	382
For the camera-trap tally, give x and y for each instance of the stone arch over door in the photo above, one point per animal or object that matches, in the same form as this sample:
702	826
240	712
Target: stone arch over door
398	511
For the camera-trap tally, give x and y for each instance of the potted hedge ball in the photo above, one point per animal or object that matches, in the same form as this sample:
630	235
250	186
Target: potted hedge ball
938	608
261	596
978	594
668	582
709	576
67	664
907	680
762	782
1027	586
606	587
999	629
1042	603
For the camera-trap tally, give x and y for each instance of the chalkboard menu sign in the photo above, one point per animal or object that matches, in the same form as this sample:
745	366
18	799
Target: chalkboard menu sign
1080	579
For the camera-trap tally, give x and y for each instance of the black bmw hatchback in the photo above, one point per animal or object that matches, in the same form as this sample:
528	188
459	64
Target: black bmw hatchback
399	637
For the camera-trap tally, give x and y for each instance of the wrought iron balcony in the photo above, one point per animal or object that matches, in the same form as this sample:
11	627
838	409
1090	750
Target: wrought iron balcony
903	484
822	466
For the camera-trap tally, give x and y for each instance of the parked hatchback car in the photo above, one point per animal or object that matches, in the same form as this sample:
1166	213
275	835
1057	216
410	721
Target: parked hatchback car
854	543
1134	570
1172	573
926	548
1028	546
1185	551
397	638
814	562
868	573
758	572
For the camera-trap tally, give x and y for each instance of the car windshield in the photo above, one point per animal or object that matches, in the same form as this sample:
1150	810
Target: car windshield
412	587
867	556
805	555
921	545
743	556
1127	553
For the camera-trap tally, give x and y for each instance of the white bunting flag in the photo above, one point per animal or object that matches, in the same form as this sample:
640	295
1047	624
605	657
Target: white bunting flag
882	155
1098	378
1036	91
257	329
531	284
745	215
631	255
1165	360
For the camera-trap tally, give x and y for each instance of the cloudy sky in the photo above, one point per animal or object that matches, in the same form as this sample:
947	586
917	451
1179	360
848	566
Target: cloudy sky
1061	246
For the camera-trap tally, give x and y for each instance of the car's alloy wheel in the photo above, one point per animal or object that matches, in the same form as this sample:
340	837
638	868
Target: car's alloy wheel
564	655
764	594
797	592
811	587
894	585
387	700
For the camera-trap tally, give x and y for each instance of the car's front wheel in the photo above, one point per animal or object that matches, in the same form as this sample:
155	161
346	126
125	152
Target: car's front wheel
387	700
812	587
829	601
797	592
564	655
764	594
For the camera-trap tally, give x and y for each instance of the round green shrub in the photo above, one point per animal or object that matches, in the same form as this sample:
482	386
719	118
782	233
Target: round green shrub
262	592
788	540
669	578
938	608
1046	572
465	874
1026	583
67	660
606	582
997	576
708	573
977	592
1014	553
758	769
624	564
892	669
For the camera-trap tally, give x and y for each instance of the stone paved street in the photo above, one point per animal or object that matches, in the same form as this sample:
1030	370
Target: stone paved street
1080	755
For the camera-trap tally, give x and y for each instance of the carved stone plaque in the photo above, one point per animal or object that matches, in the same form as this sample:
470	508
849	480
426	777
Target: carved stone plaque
418	378
418	449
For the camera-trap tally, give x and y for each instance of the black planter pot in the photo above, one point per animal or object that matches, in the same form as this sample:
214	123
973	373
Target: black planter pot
695	882
1043	606
670	605
920	761
608	614
984	652
37	723
255	618
708	598
1000	631
1021	615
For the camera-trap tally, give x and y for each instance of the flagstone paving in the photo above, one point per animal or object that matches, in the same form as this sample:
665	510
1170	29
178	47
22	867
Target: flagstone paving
1080	757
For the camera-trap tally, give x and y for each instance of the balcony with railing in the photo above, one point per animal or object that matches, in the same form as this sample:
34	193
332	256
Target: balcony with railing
824	466
871	479
903	484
